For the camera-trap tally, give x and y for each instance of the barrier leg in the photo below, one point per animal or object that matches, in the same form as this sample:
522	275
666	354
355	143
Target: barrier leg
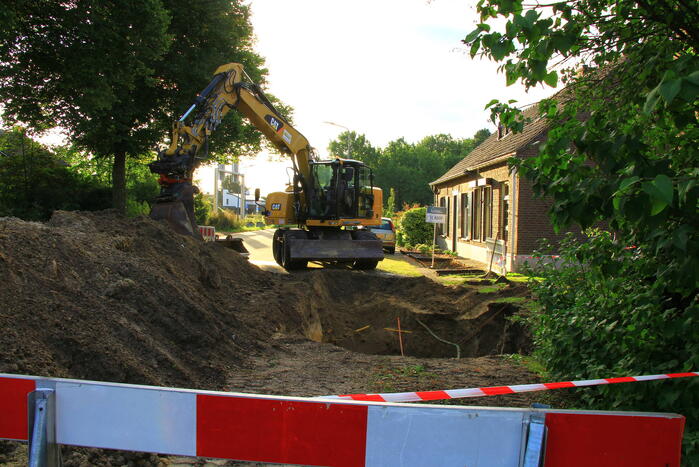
536	436
43	450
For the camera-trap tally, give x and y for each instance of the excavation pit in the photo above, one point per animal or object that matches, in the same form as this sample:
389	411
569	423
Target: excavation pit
435	321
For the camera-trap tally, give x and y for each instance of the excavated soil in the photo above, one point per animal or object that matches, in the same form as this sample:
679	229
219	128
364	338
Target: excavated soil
101	297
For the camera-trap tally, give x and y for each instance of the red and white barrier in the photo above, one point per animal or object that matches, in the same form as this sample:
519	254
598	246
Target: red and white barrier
208	233
423	396
333	432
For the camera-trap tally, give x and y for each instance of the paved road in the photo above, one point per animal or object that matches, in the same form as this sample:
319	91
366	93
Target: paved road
259	244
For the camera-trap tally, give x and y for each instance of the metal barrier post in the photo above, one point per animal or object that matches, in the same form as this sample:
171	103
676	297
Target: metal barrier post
43	450
536	437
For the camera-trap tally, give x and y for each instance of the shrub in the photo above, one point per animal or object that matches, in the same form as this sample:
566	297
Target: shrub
203	204
424	249
414	228
225	221
602	311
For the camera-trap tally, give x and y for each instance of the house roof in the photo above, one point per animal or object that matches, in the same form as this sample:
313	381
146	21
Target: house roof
493	148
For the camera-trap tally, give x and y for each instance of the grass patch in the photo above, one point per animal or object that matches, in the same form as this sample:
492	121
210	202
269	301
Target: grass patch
521	278
513	300
398	266
384	379
529	362
491	288
459	279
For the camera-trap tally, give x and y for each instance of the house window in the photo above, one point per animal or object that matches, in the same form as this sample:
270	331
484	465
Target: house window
441	227
477	214
487	212
466	215
446	224
505	210
482	213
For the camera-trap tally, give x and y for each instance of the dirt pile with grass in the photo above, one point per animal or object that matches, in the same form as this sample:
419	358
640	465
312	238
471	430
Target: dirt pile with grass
94	295
98	296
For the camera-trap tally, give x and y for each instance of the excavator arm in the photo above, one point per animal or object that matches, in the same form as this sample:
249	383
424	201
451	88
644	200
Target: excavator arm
229	89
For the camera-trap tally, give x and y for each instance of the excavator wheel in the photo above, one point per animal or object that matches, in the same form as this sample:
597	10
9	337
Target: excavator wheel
364	264
280	249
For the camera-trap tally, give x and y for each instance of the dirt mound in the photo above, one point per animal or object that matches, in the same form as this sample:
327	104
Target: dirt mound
98	296
102	297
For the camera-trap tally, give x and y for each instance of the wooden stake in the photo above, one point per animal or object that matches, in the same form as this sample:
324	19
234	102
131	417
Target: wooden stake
400	338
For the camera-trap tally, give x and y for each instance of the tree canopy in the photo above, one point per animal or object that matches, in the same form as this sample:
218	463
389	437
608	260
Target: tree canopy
407	168
623	148
114	74
630	109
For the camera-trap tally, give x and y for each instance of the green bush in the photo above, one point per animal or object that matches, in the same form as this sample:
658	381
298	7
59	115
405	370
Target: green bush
34	182
203	205
136	208
603	311
413	227
424	249
225	221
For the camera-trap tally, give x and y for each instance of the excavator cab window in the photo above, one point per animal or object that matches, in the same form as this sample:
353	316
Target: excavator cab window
365	201
341	190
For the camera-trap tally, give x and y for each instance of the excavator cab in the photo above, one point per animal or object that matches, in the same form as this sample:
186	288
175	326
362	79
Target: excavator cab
341	189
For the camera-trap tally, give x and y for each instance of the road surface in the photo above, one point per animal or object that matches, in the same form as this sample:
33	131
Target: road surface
259	244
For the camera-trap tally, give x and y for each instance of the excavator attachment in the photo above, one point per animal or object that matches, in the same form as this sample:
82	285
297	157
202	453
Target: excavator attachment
178	211
294	248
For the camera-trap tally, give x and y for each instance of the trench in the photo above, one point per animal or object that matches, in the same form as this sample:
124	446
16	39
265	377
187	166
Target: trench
434	319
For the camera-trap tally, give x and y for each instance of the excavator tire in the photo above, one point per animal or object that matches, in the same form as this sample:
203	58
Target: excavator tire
281	252
364	264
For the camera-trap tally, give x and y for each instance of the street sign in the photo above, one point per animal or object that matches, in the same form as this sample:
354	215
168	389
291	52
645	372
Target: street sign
436	215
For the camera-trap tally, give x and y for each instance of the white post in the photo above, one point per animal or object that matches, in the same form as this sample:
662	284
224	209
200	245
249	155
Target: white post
434	243
216	189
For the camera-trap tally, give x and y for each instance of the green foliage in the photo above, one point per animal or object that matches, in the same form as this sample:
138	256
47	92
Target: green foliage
390	203
404	167
624	148
414	228
225	221
424	249
34	182
123	105
203	205
603	311
141	185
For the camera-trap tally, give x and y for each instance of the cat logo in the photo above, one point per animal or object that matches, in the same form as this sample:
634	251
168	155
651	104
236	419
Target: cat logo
274	122
276	206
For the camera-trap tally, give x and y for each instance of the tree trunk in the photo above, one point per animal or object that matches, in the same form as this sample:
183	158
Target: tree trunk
119	182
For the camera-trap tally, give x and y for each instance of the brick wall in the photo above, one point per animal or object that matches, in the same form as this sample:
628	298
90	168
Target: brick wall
533	223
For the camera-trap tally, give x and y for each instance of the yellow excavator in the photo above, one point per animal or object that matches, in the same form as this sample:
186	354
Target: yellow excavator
330	201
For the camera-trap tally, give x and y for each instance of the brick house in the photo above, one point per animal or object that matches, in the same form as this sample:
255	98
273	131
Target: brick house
491	210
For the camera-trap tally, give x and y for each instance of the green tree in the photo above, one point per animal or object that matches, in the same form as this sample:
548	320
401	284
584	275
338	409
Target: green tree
390	204
114	74
350	145
623	147
34	182
404	167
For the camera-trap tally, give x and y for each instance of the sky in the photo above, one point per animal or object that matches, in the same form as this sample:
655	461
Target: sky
383	68
387	69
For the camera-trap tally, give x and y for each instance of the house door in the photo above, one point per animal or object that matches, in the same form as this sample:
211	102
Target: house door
455	204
